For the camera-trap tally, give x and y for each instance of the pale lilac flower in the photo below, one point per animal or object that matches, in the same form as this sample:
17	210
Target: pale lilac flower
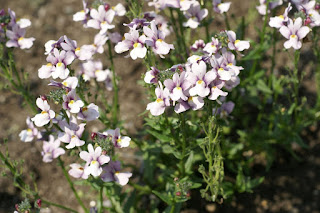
295	32
118	140
178	86
52	44
137	23
312	15
119	9
200	79
45	116
68	84
57	66
111	172
220	7
281	20
232	83
72	102
262	8
89	113
17	39
195	15
198	46
77	171
94	160
219	64
115	37
235	44
29	134
162	25
51	149
216	91
155	39
157	107
97	46
230	61
22	23
212	47
101	19
133	42
224	110
94	69
72	133
82	15
151	76
193	102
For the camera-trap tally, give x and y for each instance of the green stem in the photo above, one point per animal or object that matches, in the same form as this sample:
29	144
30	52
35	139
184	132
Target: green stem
173	207
182	36
226	19
58	205
61	164
101	200
183	145
115	104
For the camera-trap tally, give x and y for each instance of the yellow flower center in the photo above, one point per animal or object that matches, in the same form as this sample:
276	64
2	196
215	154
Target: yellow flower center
160	40
117	172
49	65
214	87
94	162
136	45
82	11
119	140
20	39
59	64
281	16
230	64
199	82
190	98
29	130
84	109
71	102
103	22
237	41
65	84
221	69
78	49
73	136
113	7
293	36
178	88
159	100
43	112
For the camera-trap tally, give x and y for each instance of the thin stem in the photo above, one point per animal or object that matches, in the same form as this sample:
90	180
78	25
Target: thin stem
226	19
58	205
173	207
101	200
115	104
61	164
183	145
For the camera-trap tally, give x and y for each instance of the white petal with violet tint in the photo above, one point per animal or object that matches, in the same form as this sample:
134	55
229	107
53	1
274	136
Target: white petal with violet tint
138	52
122	178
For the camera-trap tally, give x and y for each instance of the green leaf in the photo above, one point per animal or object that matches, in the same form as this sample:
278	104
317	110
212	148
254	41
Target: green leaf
167	149
189	162
129	204
163	197
261	85
159	136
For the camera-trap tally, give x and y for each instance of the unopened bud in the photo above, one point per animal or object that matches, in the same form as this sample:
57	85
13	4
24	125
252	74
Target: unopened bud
39	203
307	21
317	7
93	135
178	193
3	24
107	7
43	97
17	207
104	152
175	179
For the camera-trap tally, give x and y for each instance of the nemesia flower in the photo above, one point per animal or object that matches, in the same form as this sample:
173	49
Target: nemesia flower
262	8
111	172
72	133
82	15
22	22
101	19
133	42
157	107
195	15
118	140
193	102
89	113
295	32
198	45
224	110
151	76
219	64
52	44
51	149
235	44
77	171
57	66
119	9
200	79
94	160
155	39
281	20
71	46
94	69
178	86
212	47
97	46
312	15
230	61
45	116
69	83
137	23
220	7
216	91
29	134
17	39
72	102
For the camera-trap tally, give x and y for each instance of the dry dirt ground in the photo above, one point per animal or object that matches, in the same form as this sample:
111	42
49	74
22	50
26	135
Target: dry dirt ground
291	186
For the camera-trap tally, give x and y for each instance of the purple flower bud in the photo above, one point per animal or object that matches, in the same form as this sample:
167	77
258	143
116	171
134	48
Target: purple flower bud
39	203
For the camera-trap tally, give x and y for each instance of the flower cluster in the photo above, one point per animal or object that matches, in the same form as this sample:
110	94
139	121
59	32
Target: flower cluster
13	31
295	30
202	76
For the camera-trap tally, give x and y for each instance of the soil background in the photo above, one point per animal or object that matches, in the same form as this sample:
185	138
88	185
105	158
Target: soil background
290	186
